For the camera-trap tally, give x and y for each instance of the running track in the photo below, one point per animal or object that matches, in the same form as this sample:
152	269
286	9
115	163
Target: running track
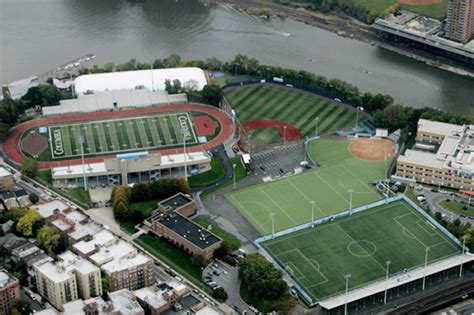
11	145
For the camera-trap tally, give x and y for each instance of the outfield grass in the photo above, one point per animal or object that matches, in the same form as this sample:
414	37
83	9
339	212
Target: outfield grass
289	199
360	245
300	109
207	178
231	240
457	207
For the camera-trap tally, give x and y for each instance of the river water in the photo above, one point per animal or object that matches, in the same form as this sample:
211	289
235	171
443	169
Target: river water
38	35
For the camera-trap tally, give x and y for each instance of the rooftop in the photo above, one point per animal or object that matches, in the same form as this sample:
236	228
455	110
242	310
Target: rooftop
176	201
46	209
72	261
4	172
152	296
436	127
102	238
107	253
126	262
189	230
125	302
207	310
5	279
74	307
421	158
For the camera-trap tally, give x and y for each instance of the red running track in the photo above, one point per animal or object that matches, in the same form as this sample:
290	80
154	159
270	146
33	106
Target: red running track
11	145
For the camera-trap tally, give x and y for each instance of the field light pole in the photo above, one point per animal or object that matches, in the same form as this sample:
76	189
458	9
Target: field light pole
284	135
386	279
312	213
424	269
347	290
359	108
81	142
350	201
273	224
462	256
317	120
233	166
185	159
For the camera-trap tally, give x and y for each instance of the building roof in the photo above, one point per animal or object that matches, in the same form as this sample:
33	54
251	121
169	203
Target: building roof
112	251
102	238
11	241
126	262
207	310
125	302
63	270
129	80
436	127
189	230
395	281
46	209
55	272
4	172
74	307
176	201
6	279
20	192
48	311
72	261
421	158
25	250
152	296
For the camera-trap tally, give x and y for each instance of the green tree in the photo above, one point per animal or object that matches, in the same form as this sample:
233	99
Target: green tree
198	260
29	167
8	112
24	308
173	61
212	94
220	295
261	277
26	224
105	287
183	185
49	239
393	117
33	197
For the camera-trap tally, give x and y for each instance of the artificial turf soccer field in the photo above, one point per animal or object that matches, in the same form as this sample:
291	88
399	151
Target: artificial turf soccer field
121	135
289	199
360	245
292	106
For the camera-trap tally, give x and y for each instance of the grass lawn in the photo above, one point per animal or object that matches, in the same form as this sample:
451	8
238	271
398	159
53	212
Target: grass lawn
233	242
145	207
240	173
282	306
319	257
207	178
174	257
80	195
45	175
300	109
457	207
289	198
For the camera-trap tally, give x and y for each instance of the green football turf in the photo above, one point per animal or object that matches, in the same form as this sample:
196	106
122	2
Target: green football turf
289	199
120	135
360	245
292	106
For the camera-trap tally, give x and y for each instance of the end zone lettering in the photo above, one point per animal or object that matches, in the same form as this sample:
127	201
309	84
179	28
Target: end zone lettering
183	121
58	142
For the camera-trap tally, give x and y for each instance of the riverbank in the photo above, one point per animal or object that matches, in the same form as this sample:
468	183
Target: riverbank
346	26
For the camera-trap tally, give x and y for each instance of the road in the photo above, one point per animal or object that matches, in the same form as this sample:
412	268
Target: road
433	199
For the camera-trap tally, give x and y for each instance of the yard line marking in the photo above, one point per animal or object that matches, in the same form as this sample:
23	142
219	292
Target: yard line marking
261	189
315	205
369	188
331	186
249	213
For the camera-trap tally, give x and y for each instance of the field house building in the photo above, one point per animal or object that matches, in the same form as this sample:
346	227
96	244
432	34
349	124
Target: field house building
443	156
129	168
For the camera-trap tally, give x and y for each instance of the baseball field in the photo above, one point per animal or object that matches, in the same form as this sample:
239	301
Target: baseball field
290	199
319	258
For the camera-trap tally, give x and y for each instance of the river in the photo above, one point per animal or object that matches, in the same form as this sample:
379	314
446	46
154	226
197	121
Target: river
38	35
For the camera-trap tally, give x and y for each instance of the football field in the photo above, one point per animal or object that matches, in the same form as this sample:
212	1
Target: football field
328	186
121	135
318	258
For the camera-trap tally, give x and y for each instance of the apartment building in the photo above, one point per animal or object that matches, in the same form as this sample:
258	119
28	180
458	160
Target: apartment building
9	292
460	20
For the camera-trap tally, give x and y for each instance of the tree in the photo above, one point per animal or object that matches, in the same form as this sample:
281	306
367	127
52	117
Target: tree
8	111
105	287
26	224
49	239
140	192
223	250
33	197
29	167
261	277
393	117
212	94
220	295
183	185
173	61
198	260
24	308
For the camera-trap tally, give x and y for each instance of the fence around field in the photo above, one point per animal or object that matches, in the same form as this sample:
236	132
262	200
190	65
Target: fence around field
258	242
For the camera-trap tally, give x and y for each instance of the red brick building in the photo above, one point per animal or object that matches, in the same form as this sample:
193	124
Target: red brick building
180	203
9	292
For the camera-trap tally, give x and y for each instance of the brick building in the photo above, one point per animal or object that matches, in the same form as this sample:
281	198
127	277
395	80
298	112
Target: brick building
460	20
180	203
9	292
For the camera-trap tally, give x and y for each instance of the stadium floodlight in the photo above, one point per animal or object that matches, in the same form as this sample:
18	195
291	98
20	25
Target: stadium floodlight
350	191
316	131
233	166
386	279
359	108
462	255
424	269
81	142
347	290
312	213
284	135
273	224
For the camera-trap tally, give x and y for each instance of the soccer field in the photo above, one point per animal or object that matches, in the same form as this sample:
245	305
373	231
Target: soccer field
290	199
121	135
360	245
